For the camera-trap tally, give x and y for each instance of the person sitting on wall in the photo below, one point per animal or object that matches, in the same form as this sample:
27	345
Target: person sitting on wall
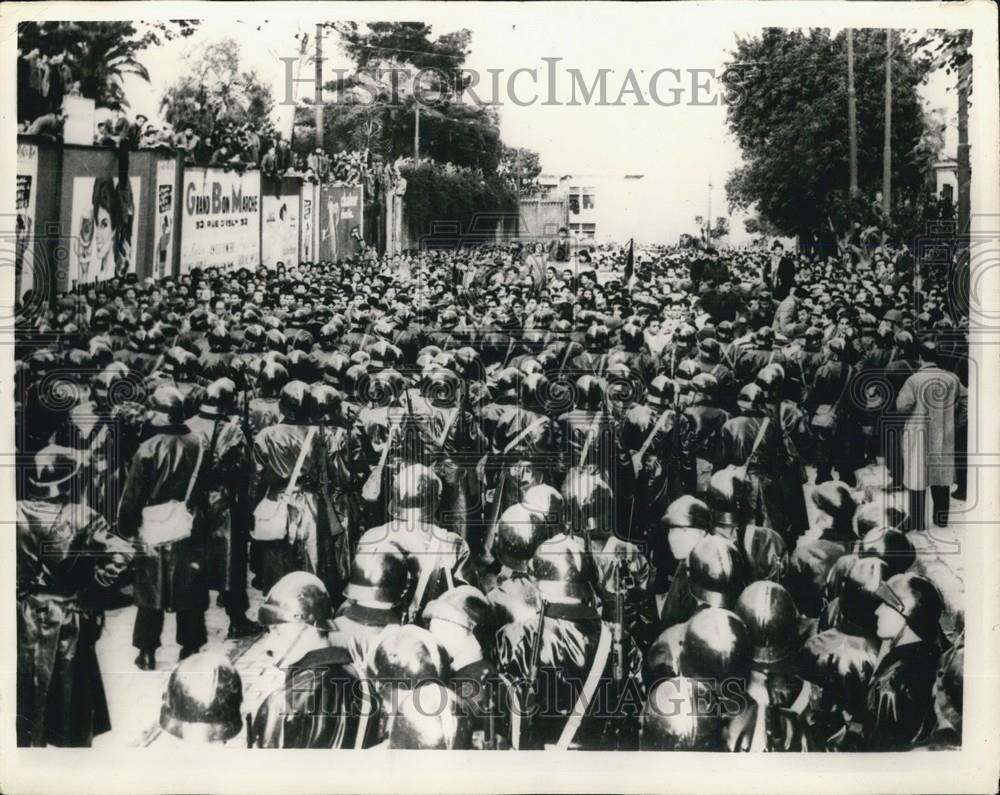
50	124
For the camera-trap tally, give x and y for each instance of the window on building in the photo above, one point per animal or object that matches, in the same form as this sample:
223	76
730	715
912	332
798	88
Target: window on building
589	199
948	192
588	231
574	200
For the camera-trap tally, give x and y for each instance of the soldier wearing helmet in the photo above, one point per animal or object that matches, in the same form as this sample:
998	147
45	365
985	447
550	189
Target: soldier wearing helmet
814	556
772	717
439	559
717	648
835	408
225	508
463	622
680	715
263	410
157	502
431	717
659	438
64	550
550	658
285	519
684	524
588	433
376	597
318	700
900	707
203	700
839	661
708	418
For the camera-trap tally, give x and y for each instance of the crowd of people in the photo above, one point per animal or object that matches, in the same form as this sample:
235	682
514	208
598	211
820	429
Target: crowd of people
654	498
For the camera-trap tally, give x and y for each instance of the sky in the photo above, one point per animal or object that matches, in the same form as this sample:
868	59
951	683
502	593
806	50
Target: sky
679	149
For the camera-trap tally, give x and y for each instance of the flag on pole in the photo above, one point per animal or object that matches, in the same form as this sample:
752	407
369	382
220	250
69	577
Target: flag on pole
630	263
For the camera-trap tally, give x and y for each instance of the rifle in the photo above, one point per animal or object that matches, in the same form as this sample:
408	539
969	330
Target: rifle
373	485
618	640
531	685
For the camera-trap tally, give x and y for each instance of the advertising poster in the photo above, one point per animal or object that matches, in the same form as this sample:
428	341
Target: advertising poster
24	230
221	219
340	222
163	236
104	229
279	236
308	226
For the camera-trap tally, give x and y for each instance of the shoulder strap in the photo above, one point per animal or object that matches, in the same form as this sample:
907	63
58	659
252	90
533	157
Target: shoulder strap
448	426
194	475
759	439
587	693
847	383
306	445
649	439
524	434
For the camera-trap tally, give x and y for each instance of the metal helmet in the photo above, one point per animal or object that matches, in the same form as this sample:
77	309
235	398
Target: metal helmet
872	515
772	620
834	498
596	337
292	401
918	600
53	472
380	578
301	340
674	718
686	371
891	546
717	571
764	337
302	366
710	350
547	502
334	368
766	553
563	571
169	401
384	354
686	335
727	496
408	656
750	398
531	365
465	607
663	658
442	388
382	388
354	376
203	700
589	392
716	646
842	665
705	384
273	378
361	357
588	500
430	717
688	511
661	392
519	534
509	382
274	340
632	337
416	491
770	379
297	598
219	398
323	404
218	338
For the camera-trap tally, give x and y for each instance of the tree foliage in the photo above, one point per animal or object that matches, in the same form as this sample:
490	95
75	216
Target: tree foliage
100	54
792	127
216	89
439	193
374	108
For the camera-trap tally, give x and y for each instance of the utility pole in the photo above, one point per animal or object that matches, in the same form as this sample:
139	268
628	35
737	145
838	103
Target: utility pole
416	128
887	144
852	124
318	95
708	218
964	167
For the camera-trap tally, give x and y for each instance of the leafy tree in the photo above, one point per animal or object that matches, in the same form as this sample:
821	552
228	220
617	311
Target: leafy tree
216	89
520	167
792	127
374	107
99	54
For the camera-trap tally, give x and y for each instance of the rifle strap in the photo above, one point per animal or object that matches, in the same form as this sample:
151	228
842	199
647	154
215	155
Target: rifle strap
300	461
194	475
448	426
758	440
538	423
589	687
649	439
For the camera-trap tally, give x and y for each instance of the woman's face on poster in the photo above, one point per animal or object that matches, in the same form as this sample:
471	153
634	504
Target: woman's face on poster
102	233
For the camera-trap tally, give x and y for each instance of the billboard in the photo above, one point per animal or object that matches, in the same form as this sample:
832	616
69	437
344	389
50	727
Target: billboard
163	233
309	192
340	217
279	233
24	229
221	219
104	229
